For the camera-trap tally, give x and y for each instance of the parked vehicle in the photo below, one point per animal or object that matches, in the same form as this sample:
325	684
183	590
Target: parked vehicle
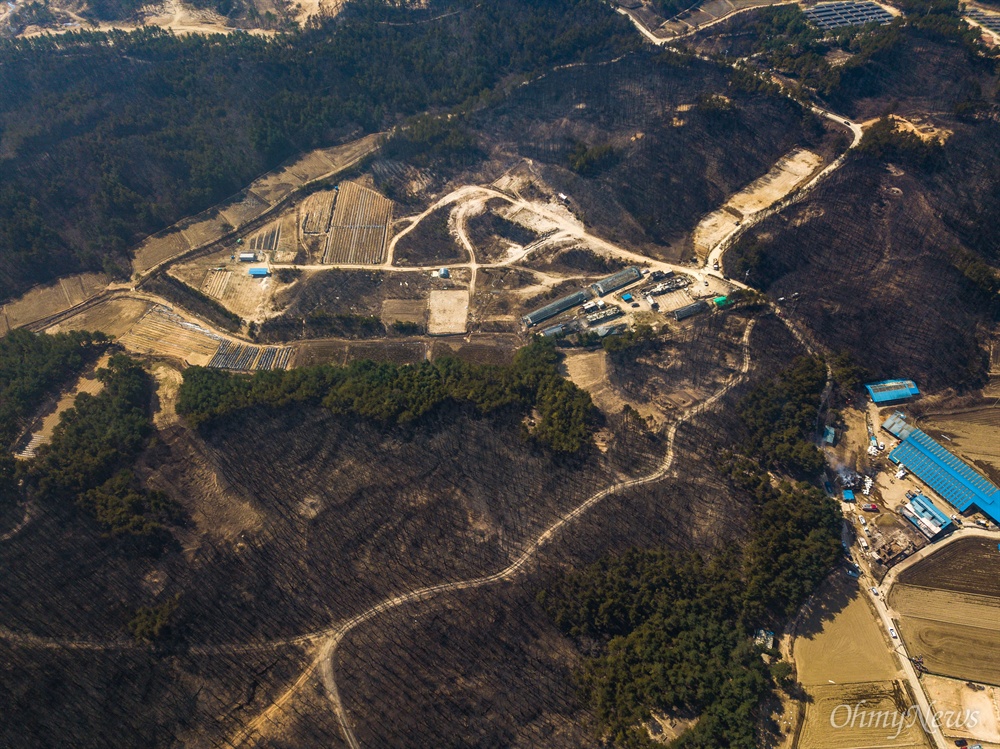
870	507
892	633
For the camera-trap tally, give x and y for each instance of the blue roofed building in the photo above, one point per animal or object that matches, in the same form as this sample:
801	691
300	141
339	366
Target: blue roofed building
891	391
925	516
848	495
259	273
956	481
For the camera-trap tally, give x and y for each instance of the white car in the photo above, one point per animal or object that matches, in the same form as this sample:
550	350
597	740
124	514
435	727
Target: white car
874	591
892	633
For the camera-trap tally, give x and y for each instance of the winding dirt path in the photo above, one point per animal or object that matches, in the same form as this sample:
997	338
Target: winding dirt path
324	661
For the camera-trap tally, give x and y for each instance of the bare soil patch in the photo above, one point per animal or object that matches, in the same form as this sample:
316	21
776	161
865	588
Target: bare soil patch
44	301
113	317
968	565
449	311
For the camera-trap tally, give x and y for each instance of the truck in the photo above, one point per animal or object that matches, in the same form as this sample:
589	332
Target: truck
870	507
864	544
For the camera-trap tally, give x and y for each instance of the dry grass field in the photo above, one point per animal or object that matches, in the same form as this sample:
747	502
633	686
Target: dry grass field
842	656
962	652
404	310
359	227
48	300
158	248
947	606
245	208
969	565
206	230
316	211
113	317
449	311
161	332
826	711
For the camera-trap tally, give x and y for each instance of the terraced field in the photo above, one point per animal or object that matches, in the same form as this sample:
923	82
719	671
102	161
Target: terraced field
359	227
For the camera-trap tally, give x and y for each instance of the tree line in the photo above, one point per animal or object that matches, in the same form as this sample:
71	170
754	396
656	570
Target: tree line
672	632
393	394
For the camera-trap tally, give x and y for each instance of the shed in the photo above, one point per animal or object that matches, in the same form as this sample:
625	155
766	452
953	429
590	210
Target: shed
259	273
248	257
891	391
830	436
616	280
692	309
848	495
721	301
444	273
626	297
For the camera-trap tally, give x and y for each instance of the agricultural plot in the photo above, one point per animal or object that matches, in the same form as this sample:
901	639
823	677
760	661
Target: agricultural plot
216	283
449	311
955	697
990	21
112	317
955	650
404	310
316	212
159	248
267	239
245	208
206	230
359	226
968	565
947	606
49	300
246	357
161	332
883	701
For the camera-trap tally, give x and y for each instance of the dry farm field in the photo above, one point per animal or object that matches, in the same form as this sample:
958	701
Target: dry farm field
830	722
43	301
968	565
161	332
448	312
955	650
359	226
112	316
159	248
404	310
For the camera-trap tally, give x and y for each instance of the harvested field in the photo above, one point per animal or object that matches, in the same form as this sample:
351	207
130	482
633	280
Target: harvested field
49	300
159	248
968	565
449	311
311	353
161	332
113	317
883	702
404	310
266	240
206	230
498	349
947	606
216	283
246	357
316	211
841	640
789	172
359	226
956	650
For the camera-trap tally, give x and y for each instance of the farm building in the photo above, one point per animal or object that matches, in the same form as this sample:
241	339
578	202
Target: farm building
722	302
248	257
952	478
616	280
553	309
690	310
927	518
848	495
891	391
830	436
555	330
259	273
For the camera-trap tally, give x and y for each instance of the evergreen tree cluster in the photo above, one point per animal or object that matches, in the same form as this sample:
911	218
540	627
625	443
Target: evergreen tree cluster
394	394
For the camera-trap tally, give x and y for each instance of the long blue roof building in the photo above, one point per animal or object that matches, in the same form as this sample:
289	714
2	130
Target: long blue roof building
948	475
889	391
